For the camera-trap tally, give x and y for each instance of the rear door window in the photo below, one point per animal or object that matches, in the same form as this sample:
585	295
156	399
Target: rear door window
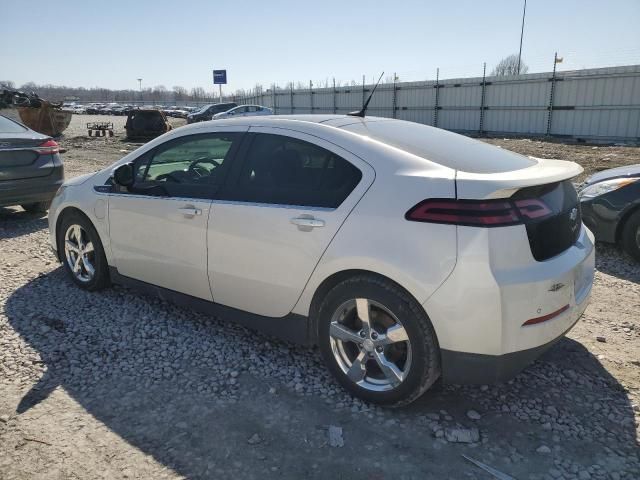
288	171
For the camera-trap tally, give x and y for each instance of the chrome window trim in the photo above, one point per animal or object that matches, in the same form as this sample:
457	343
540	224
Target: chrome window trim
220	202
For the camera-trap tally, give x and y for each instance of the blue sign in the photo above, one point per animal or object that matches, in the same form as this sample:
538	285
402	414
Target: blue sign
219	77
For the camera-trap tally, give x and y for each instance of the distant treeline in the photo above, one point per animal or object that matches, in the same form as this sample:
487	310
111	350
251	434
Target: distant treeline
159	93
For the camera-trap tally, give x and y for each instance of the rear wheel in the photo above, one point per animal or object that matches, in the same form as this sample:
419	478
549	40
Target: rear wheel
377	341
81	252
37	207
631	235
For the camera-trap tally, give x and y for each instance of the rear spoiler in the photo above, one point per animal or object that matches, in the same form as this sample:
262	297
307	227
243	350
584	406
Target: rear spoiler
479	186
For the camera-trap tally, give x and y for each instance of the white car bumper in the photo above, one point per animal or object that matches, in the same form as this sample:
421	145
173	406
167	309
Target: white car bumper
500	309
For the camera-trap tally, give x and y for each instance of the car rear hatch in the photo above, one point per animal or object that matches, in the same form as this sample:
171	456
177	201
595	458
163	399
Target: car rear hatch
541	197
24	156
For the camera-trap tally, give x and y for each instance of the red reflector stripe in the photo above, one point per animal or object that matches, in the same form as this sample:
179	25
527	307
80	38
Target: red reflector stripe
544	318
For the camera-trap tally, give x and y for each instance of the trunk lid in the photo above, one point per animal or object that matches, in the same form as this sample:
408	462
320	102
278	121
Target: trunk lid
546	183
19	158
481	186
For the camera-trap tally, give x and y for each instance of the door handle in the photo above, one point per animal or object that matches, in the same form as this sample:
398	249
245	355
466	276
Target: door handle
190	211
307	222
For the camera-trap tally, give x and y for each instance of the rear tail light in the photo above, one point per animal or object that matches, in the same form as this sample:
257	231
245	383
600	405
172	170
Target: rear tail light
48	148
479	213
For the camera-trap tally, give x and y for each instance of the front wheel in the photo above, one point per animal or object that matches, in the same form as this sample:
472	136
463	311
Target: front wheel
81	252
377	341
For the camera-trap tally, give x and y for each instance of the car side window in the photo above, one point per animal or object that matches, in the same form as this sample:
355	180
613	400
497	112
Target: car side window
192	166
287	171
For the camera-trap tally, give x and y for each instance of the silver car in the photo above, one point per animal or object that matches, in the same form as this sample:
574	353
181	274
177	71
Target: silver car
244	111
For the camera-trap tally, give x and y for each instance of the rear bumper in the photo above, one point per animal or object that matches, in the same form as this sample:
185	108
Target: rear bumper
480	312
31	190
479	369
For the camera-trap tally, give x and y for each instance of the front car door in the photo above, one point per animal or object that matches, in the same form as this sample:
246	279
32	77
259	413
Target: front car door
277	215
158	228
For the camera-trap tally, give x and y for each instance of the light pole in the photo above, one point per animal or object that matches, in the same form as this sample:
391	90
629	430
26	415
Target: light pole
524	12
140	87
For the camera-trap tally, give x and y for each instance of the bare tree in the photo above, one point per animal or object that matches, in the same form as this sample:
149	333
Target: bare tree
7	84
179	93
198	93
509	66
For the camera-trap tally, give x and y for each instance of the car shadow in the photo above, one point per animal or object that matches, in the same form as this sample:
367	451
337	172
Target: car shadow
192	391
16	222
610	259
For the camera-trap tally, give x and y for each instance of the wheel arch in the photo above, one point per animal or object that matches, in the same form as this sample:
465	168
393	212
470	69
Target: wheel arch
624	219
60	217
337	277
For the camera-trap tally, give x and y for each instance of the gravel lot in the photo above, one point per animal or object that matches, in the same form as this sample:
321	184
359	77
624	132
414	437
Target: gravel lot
118	385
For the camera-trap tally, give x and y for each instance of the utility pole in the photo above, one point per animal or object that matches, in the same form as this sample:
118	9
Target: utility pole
524	12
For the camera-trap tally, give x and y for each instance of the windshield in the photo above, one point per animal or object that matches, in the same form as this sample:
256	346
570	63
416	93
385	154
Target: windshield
203	109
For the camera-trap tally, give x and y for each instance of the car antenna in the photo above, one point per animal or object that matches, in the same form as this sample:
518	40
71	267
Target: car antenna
362	112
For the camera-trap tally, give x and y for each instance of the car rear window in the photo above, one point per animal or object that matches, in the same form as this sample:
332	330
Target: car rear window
9	126
442	147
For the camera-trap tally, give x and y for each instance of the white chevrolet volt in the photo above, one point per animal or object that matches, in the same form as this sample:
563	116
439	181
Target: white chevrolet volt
405	252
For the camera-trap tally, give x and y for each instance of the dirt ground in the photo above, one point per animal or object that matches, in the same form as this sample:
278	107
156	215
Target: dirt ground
114	384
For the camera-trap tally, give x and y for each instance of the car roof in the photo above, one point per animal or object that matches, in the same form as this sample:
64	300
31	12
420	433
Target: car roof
436	145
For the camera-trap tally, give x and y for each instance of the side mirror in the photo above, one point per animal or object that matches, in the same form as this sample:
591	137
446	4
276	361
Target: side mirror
123	175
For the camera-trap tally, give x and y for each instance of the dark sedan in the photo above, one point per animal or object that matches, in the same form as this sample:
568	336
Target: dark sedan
610	203
208	111
31	169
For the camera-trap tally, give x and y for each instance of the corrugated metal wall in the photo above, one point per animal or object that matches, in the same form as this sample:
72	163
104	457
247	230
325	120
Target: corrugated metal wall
599	103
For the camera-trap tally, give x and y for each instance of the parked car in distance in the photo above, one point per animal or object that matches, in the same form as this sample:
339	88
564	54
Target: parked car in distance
31	169
610	202
146	123
405	252
179	113
79	110
94	109
208	111
244	111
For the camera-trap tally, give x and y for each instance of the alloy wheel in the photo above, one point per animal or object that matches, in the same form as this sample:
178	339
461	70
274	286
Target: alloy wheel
79	253
370	344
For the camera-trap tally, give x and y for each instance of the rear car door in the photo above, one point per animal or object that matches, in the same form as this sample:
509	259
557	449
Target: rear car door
277	215
158	228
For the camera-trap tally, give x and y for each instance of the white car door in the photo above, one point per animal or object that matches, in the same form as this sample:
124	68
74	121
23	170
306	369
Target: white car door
277	215
158	229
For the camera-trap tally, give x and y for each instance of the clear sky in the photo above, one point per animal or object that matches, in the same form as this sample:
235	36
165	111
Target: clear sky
179	42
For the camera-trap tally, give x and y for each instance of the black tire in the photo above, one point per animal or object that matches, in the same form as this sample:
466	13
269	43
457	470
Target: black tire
630	237
100	277
37	207
424	367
